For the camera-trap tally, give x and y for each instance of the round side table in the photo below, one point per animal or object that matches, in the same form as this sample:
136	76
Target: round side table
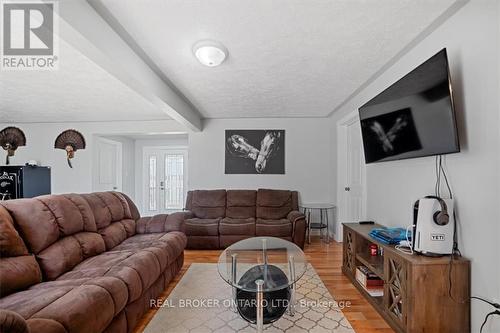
324	221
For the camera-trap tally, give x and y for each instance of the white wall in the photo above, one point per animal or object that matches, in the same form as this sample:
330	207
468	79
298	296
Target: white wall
307	157
472	39
40	139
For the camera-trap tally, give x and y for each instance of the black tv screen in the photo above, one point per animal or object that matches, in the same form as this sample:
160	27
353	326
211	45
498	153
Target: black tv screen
414	117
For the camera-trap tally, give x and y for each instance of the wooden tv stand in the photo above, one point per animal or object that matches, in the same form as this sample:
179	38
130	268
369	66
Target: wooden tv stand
416	288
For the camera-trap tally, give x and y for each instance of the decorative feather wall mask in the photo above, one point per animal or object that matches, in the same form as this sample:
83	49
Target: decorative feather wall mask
10	139
70	140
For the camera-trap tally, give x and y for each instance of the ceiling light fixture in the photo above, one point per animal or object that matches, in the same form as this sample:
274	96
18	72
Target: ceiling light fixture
210	53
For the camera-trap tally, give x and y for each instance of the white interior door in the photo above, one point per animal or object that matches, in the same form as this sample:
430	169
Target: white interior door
355	183
165	180
108	165
351	174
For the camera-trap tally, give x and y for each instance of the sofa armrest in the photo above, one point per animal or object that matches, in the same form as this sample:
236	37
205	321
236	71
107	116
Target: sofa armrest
298	221
162	223
11	322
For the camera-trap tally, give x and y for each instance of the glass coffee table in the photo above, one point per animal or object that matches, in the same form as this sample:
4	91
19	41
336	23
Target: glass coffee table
262	272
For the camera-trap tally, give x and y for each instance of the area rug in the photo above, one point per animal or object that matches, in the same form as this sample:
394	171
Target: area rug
201	302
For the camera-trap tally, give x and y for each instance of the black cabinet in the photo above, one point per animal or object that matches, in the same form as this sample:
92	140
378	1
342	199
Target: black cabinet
24	181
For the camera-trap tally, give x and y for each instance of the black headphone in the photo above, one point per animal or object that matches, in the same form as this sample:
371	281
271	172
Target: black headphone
441	217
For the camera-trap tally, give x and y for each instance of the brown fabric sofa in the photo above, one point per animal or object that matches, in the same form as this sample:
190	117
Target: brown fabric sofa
219	218
83	263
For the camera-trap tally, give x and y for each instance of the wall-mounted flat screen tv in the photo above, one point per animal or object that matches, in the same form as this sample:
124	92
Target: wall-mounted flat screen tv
414	117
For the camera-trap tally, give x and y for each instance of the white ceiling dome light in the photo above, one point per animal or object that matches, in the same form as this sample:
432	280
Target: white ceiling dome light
210	53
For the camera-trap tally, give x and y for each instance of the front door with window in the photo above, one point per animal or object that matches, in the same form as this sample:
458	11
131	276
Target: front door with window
165	180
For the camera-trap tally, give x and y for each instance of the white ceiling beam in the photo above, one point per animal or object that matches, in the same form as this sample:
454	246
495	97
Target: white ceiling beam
81	26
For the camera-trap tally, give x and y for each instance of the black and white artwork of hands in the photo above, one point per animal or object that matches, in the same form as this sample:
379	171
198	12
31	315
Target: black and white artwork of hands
255	152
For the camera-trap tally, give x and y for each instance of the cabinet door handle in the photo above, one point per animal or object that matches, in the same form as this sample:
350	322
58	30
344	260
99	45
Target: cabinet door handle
347	188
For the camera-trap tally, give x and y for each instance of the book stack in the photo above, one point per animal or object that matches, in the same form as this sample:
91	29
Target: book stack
373	284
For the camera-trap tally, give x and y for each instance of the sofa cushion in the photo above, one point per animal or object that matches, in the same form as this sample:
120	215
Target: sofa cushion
59	229
86	308
138	261
113	234
90	244
208	204
18	270
11	244
65	254
114	286
134	211
60	257
151	224
18	273
230	226
84	210
30	301
45	325
44	220
241	203
274	228
139	271
96	266
273	204
86	305
11	321
162	223
166	247
173	240
127	266
202	227
113	217
108	207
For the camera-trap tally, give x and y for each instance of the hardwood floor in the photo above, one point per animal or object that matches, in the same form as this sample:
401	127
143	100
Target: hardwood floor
327	261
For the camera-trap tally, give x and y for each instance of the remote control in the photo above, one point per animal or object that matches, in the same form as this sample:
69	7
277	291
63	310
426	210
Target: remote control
366	222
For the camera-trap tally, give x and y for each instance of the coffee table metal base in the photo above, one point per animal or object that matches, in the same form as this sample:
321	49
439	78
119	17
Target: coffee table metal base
262	272
250	305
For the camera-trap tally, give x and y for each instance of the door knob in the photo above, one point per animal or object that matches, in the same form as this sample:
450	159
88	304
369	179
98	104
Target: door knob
347	188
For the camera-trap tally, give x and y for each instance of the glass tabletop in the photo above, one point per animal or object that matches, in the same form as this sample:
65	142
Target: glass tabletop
279	263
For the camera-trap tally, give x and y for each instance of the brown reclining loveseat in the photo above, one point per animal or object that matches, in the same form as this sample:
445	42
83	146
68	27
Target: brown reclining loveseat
83	263
219	218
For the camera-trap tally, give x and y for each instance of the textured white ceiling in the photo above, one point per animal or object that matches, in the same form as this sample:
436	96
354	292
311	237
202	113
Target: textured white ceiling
79	91
286	57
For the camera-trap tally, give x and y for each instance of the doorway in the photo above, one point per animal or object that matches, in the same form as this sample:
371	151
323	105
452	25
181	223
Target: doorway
164	179
351	172
107	175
